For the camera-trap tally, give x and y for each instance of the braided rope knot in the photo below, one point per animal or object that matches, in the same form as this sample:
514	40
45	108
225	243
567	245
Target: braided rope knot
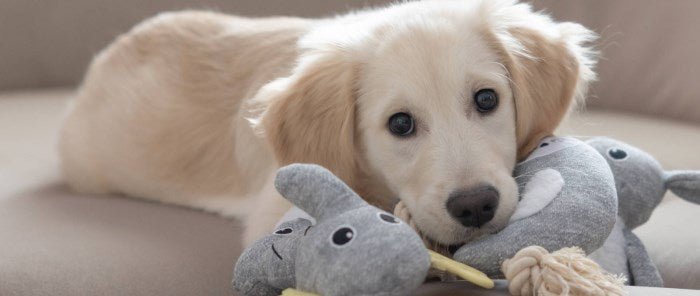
534	271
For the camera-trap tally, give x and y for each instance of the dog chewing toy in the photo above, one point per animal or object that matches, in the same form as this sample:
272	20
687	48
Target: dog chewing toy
567	199
353	249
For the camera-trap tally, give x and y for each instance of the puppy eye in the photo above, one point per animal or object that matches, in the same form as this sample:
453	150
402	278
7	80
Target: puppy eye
388	218
401	124
284	231
617	154
486	100
342	236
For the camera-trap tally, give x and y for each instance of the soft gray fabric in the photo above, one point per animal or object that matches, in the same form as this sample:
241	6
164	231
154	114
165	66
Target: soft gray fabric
267	268
612	256
639	179
641	183
582	214
685	184
354	249
642	270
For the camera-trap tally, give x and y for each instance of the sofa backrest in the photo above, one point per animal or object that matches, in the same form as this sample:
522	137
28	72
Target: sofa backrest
50	43
650	47
650	53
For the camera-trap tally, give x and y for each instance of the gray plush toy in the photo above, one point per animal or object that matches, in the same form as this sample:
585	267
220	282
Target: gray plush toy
270	265
353	249
567	199
641	184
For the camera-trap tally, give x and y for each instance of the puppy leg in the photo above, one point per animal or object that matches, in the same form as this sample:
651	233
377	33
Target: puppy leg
269	209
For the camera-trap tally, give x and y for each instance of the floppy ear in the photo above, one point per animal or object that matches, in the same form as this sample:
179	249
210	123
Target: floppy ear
685	184
309	117
316	190
548	65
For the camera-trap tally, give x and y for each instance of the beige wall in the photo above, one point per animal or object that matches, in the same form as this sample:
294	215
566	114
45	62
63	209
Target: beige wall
650	50
49	42
650	47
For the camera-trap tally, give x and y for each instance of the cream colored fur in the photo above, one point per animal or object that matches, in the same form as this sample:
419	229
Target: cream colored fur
200	108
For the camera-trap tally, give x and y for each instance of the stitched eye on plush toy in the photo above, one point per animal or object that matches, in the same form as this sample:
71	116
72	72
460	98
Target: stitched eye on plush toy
486	100
617	154
284	231
401	124
388	218
342	236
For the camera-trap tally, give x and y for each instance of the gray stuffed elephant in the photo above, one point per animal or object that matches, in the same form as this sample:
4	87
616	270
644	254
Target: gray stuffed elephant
269	266
568	198
641	184
354	248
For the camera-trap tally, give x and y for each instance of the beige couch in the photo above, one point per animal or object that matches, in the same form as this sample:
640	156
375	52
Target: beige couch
56	242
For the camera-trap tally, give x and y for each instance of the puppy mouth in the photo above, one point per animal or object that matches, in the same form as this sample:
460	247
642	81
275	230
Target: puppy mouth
459	235
276	253
464	236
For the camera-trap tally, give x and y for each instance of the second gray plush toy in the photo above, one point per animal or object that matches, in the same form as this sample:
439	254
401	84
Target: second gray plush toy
641	184
567	197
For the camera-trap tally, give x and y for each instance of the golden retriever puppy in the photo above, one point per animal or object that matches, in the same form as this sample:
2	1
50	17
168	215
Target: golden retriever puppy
429	102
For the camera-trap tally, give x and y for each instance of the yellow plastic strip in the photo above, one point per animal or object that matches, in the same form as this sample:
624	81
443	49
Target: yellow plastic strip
461	270
295	292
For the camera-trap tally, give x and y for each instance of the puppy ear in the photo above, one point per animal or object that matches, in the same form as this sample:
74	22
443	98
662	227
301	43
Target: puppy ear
309	117
549	67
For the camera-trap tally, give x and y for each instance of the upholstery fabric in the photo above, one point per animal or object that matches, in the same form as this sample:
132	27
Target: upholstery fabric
50	43
650	53
649	47
55	242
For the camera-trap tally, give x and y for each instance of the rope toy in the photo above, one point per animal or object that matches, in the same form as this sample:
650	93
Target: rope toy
534	271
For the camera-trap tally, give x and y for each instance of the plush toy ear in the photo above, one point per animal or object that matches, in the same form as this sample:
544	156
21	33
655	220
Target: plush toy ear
685	184
316	190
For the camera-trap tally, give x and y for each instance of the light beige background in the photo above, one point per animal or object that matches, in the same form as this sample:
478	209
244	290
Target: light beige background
650	47
49	43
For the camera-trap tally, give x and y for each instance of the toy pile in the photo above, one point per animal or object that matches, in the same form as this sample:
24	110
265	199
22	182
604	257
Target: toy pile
577	198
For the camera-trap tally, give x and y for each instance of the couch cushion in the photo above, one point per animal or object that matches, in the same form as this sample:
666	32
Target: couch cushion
55	242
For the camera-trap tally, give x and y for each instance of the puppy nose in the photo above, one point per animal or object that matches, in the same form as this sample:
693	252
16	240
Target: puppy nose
473	207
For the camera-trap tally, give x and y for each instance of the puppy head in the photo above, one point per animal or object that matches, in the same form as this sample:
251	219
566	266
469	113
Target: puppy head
432	102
